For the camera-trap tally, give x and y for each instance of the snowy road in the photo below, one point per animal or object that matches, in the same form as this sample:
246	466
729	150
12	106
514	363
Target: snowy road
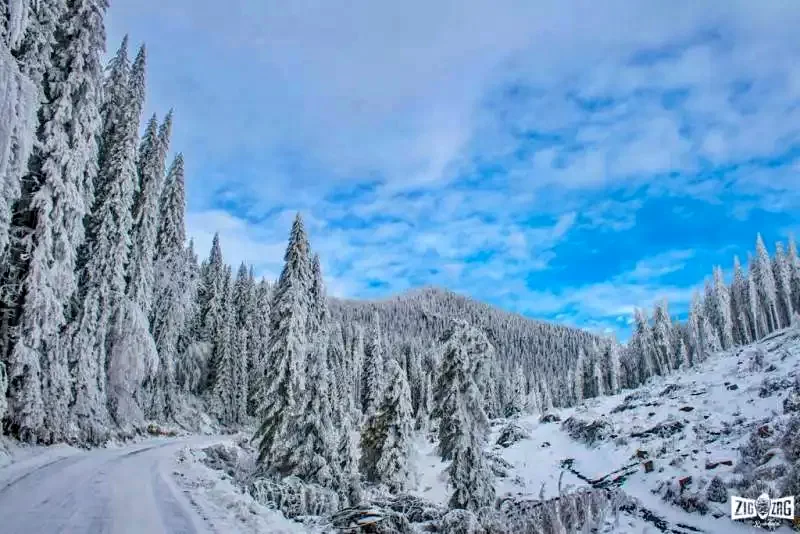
120	490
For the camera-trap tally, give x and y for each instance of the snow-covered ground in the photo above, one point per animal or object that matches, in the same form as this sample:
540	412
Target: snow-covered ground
120	489
690	424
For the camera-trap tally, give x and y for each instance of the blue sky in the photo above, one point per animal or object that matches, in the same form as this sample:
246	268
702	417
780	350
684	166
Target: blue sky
565	160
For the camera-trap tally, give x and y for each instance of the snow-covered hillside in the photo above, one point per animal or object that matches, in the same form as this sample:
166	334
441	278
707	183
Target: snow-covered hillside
692	425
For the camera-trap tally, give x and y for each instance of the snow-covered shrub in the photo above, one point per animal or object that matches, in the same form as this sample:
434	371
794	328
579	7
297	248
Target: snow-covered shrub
752	452
191	366
222	457
773	384
587	432
791	484
716	491
132	360
791	404
499	466
510	434
294	498
757	359
756	488
790	442
460	522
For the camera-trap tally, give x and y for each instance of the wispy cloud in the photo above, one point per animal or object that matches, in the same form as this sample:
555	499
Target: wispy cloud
560	159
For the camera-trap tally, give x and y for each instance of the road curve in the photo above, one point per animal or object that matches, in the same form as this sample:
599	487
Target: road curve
125	490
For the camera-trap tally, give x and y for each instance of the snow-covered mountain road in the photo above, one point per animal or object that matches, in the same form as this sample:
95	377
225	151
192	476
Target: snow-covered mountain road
117	490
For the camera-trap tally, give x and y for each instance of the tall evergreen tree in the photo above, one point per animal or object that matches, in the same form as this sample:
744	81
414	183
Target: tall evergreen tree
259	349
48	225
102	277
739	305
151	168
286	353
781	271
173	290
394	425
462	423
765	286
662	339
372	378
794	274
721	305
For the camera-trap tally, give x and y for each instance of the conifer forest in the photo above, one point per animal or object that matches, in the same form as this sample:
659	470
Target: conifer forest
115	328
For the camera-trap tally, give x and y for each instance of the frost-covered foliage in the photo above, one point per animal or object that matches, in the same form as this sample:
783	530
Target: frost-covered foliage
286	353
386	438
462	422
294	497
48	225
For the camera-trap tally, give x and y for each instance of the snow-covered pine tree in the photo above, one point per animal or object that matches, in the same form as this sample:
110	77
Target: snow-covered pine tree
286	353
150	174
387	440
794	274
462	422
757	312
372	377
516	399
224	393
310	452
259	347
683	355
173	291
783	285
48	225
27	40
422	415
662	338
765	286
579	375
455	388
613	367
102	278
469	473
341	397
721	306
738	291
641	344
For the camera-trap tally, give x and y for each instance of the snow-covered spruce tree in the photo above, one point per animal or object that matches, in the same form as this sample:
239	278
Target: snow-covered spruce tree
757	312
794	274
341	397
259	347
469	474
286	354
395	425
146	213
765	286
191	366
102	304
48	224
739	306
721	306
611	354
27	40
223	394
455	388
579	374
516	399
372	377
663	359
783	285
462	423
311	450
386	433
641	344
173	291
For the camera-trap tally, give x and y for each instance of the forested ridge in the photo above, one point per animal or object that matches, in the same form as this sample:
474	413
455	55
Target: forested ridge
109	321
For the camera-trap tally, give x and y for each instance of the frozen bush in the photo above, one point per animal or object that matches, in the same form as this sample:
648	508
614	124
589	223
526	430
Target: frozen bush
294	498
716	491
460	522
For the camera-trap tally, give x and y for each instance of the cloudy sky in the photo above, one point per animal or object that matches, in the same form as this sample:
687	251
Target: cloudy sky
568	160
